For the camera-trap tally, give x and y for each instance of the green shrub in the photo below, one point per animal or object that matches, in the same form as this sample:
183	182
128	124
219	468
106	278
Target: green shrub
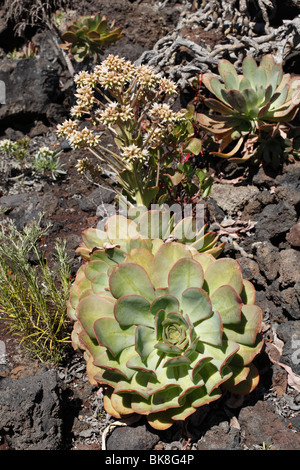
33	294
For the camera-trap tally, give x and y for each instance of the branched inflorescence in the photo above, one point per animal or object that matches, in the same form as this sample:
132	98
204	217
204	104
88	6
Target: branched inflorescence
130	102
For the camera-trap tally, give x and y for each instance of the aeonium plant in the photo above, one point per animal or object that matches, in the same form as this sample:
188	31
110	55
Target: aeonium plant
131	103
165	326
252	110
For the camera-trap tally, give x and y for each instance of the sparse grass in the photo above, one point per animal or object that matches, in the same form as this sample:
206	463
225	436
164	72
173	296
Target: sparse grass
33	295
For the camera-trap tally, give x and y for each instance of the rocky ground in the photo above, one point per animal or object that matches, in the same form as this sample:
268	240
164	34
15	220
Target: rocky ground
255	211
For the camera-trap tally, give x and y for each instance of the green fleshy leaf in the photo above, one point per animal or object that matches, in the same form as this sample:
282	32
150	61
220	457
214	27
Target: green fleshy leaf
149	195
167	348
93	237
92	308
113	336
121	403
206	242
144	341
177	361
93	268
130	279
108	377
143	257
99	283
225	67
237	100
138	384
205	259
185	230
119	229
194	146
260	77
223	271
218	89
212	377
223	354
139	243
198	360
133	310
279	99
246	354
199	396
140	405
248	294
244	83
184	274
111	256
246	331
196	304
168	303
165	399
149	365
228	303
155	224
107	361
231	81
91	345
249	68
165	258
251	98
218	106
274	79
210	330
268	92
241	385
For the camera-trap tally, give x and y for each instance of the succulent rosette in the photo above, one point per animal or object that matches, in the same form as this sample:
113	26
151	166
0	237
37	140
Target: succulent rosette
164	327
260	100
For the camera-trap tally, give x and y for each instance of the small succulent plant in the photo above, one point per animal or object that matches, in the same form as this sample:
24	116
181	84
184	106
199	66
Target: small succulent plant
164	327
88	35
261	98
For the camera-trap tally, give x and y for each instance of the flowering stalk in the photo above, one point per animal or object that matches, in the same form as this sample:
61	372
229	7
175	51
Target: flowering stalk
132	107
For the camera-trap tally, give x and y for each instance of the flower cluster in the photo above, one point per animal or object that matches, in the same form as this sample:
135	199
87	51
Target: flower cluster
146	77
167	86
133	153
164	114
85	96
130	102
85	78
114	112
114	72
82	165
7	146
67	128
83	138
45	152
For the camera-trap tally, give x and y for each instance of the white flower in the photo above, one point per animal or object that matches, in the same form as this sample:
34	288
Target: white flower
67	128
133	152
85	78
85	97
82	165
162	113
114	112
114	72
167	86
146	77
83	138
7	145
